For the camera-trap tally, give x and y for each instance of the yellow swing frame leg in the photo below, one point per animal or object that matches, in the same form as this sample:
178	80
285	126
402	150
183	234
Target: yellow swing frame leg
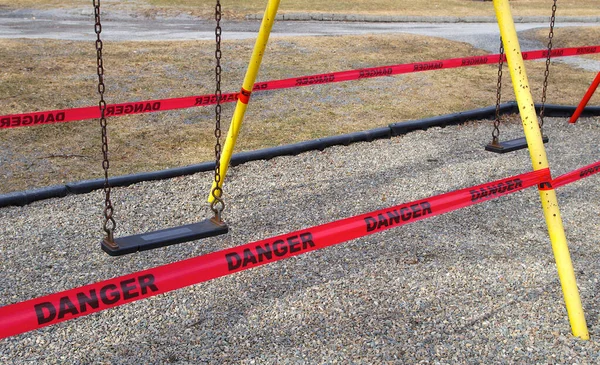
539	160
244	97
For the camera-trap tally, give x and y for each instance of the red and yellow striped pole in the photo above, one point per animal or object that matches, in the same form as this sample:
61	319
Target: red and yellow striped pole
249	80
539	160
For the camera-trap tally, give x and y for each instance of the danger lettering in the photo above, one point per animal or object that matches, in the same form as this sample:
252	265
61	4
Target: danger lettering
317	79
491	190
82	302
397	216
269	251
590	171
553	53
426	66
212	99
384	71
474	61
24	120
113	110
260	86
584	50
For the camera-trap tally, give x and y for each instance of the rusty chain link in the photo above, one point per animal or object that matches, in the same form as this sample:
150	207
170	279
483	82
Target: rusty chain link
109	222
496	130
218	205
547	71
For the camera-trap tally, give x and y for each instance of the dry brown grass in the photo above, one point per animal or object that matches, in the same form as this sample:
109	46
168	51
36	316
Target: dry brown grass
239	9
569	37
574	37
43	74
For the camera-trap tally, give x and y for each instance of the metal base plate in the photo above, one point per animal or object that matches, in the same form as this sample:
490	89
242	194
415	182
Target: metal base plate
165	237
510	145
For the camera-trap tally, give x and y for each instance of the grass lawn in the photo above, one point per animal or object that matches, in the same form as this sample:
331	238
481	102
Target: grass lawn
49	74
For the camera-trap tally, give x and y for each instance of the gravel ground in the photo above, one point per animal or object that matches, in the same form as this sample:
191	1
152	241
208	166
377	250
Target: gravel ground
483	290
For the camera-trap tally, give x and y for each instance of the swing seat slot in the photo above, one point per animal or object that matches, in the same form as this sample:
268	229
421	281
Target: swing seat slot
165	237
510	145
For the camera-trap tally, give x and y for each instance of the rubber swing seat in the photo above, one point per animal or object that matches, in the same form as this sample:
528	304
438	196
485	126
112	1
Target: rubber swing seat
165	237
510	145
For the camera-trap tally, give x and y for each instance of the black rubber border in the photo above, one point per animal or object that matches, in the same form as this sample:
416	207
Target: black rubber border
83	187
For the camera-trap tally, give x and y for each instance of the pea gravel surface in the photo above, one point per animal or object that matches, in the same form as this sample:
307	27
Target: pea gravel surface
478	285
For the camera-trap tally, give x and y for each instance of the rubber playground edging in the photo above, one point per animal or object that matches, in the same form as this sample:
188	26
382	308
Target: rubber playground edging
22	198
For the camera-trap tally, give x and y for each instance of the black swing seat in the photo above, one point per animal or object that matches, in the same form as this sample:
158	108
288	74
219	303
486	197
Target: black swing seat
165	237
510	145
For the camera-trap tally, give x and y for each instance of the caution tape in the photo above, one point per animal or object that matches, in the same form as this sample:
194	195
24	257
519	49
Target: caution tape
149	106
112	110
66	305
55	308
578	174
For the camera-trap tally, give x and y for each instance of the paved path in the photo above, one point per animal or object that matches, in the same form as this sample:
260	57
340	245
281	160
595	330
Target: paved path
78	25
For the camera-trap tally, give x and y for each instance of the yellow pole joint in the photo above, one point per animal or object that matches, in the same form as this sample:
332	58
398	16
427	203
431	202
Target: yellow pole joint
539	160
244	96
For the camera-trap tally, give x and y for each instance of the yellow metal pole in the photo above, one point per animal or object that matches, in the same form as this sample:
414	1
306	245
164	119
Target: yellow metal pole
537	153
249	80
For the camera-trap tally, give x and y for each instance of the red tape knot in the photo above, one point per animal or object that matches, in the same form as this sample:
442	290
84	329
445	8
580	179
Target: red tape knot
546	179
546	185
244	96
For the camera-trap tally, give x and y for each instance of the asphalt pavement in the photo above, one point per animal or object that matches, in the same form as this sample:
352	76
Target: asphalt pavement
78	25
64	24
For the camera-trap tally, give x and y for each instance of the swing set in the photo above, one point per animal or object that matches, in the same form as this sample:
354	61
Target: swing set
146	241
216	226
519	143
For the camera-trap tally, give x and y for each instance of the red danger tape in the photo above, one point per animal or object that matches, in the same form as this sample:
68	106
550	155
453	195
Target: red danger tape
578	174
113	110
244	96
59	307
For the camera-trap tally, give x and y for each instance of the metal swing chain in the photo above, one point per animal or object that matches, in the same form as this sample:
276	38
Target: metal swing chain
109	221
218	205
547	71
496	130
